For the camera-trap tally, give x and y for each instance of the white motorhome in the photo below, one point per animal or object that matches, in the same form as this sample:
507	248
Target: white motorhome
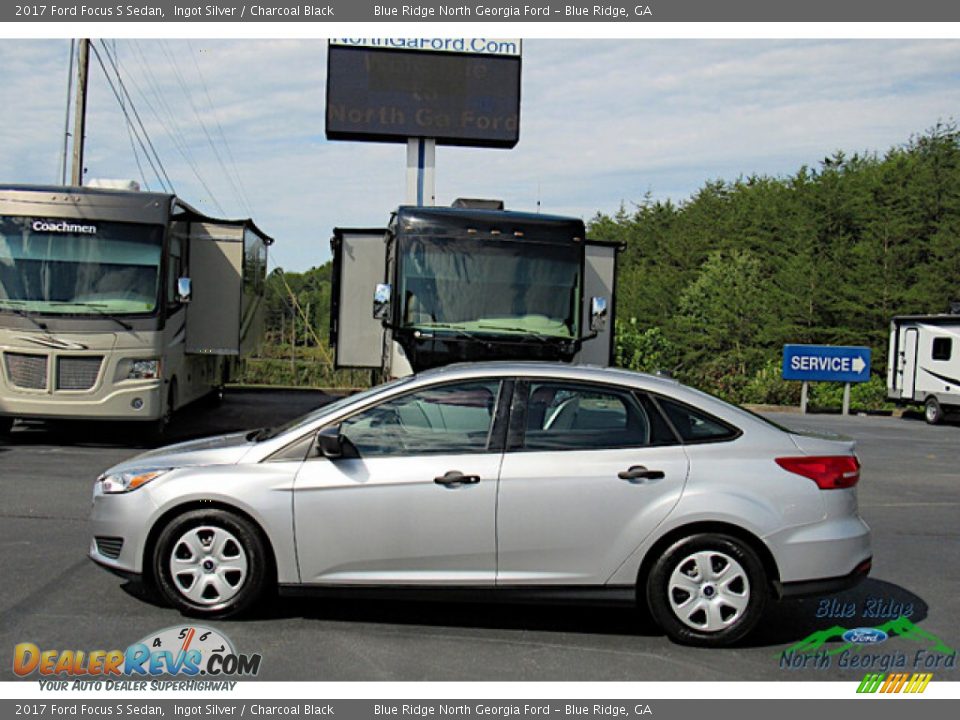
924	363
120	305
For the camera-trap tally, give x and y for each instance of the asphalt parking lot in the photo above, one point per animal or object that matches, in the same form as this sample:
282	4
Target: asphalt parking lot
51	595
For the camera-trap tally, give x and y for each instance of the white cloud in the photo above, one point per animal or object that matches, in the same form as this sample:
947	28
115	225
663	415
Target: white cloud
603	121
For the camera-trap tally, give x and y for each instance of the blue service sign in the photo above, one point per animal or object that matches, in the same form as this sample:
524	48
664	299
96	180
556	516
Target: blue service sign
826	363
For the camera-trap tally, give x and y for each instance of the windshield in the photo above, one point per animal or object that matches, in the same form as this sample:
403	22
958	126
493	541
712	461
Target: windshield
514	286
52	265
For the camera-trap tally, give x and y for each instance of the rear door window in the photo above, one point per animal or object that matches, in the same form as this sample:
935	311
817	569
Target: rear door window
566	416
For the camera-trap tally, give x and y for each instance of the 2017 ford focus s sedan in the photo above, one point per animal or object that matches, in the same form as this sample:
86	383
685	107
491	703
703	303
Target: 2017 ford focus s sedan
499	480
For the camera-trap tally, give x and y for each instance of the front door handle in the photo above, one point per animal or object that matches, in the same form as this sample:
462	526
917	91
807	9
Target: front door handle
452	478
639	472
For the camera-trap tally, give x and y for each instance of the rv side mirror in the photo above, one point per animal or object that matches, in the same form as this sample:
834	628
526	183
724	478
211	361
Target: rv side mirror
381	301
330	442
184	290
598	314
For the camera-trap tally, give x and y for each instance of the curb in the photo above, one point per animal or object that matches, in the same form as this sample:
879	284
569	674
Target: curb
794	410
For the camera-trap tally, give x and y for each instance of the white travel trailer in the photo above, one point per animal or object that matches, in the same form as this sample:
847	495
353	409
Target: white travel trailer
924	363
120	305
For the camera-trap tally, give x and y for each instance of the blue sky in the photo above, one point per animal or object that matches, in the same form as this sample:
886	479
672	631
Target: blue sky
603	122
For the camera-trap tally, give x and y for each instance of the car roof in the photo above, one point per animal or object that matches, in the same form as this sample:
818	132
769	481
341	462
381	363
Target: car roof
523	368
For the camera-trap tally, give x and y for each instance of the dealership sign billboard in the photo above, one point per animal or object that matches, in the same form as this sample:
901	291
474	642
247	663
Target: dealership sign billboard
459	91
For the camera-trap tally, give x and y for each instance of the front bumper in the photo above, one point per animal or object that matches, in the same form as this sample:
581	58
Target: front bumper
119	525
119	404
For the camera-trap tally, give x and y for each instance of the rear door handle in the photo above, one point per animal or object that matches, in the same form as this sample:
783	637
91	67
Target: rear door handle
639	472
452	478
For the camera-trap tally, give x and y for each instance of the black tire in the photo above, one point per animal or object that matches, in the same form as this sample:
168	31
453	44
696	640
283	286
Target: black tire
932	412
217	589
158	428
6	425
720	608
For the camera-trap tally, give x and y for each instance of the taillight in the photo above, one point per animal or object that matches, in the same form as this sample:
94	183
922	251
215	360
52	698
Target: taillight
828	472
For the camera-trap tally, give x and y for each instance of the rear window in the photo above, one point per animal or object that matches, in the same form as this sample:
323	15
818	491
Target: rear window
695	425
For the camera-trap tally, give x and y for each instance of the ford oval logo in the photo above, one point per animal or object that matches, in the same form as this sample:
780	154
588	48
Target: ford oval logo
865	636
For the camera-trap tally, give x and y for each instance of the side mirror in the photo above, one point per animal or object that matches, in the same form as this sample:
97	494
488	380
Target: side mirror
184	290
598	314
330	442
381	301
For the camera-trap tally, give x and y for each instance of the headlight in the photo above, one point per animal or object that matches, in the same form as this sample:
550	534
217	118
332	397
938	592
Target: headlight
144	370
130	480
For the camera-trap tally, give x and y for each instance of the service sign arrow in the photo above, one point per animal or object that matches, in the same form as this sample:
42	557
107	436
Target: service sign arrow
826	363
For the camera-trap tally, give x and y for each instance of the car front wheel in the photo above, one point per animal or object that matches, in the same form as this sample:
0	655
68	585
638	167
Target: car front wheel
707	589
211	563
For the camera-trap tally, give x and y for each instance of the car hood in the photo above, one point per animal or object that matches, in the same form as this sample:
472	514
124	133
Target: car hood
219	450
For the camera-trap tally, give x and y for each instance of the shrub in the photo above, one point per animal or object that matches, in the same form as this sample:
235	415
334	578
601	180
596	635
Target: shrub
647	350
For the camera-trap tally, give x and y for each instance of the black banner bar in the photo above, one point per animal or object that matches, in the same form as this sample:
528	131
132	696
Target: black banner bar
504	709
547	11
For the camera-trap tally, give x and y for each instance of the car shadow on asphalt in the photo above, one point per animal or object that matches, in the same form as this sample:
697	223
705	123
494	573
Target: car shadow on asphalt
501	615
871	604
554	617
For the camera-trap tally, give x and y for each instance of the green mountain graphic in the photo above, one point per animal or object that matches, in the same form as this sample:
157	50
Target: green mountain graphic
901	627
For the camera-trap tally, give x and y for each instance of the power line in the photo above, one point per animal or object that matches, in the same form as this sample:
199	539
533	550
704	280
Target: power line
143	129
161	173
244	198
133	147
170	125
203	126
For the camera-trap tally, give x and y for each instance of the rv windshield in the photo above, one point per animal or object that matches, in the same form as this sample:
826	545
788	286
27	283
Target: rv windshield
88	267
490	286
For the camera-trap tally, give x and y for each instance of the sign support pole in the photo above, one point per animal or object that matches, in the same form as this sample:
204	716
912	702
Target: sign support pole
846	398
804	387
421	171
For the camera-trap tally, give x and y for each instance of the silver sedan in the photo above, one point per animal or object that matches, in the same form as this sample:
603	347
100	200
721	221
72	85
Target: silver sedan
499	480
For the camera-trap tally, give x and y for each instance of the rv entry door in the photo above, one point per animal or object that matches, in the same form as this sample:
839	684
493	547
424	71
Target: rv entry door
908	363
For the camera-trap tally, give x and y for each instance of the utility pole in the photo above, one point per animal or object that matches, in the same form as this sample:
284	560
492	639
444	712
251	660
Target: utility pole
293	340
80	112
66	118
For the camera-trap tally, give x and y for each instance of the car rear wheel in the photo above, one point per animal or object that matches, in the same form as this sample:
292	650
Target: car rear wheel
707	589
211	563
932	412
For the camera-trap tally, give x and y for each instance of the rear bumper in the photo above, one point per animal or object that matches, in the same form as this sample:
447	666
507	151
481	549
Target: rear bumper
822	551
825	586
